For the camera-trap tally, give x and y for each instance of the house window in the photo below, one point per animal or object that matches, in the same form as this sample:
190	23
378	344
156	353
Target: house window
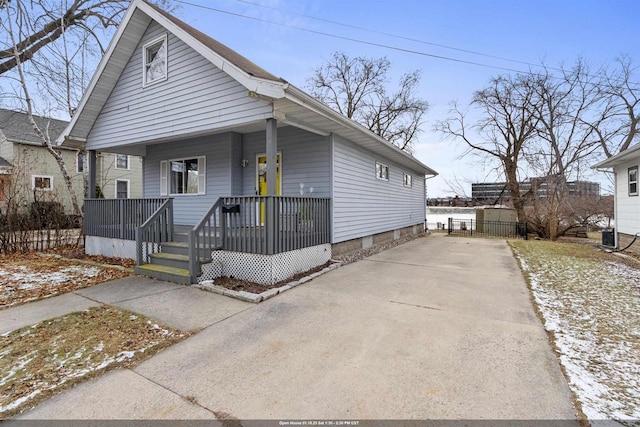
407	180
122	161
184	176
154	57
40	182
122	188
633	181
80	162
382	171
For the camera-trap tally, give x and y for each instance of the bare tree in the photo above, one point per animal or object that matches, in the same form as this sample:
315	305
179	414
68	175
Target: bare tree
620	92
44	21
43	134
507	124
357	88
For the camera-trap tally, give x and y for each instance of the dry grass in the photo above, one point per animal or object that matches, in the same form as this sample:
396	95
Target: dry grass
590	302
32	276
41	360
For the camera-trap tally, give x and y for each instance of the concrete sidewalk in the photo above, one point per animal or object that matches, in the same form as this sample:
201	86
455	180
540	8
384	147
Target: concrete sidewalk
439	328
181	307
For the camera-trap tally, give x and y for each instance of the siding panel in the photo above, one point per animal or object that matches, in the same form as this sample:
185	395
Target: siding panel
364	205
196	97
189	209
628	214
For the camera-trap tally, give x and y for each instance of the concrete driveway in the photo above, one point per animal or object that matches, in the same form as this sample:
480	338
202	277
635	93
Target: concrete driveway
439	328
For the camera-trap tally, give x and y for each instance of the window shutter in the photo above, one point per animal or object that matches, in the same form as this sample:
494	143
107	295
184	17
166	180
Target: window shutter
202	175
163	178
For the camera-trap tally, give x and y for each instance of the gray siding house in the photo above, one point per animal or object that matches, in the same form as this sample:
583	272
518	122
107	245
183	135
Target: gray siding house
243	173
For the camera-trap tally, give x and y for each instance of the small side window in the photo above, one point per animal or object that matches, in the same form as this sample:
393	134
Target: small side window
633	181
154	58
382	171
407	180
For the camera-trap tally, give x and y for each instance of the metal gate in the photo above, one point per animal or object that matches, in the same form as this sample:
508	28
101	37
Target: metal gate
469	227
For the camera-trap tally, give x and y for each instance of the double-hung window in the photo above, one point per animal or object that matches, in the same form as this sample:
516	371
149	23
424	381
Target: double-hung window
183	176
633	181
154	58
122	161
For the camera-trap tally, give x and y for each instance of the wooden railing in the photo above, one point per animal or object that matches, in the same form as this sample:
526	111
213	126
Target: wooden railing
117	218
158	228
260	225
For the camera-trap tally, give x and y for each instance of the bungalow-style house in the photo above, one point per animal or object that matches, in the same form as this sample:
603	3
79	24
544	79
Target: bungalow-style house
29	172
245	175
626	207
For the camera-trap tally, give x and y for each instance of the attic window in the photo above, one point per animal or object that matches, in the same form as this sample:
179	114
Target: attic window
154	58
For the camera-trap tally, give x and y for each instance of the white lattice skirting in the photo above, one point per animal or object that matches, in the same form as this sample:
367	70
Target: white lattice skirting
265	269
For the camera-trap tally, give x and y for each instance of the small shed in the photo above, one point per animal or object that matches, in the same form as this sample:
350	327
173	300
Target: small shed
488	220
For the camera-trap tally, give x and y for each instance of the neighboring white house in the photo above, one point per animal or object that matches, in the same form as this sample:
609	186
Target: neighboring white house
273	180
626	198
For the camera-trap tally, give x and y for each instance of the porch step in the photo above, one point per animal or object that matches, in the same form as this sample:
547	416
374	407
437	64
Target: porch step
181	248
173	260
163	272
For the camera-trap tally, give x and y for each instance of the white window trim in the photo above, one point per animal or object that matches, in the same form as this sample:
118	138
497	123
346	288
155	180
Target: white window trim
637	181
376	171
78	154
165	187
146	83
33	182
116	161
404	180
128	187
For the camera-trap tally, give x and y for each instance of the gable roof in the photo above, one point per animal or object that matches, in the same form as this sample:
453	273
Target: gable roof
290	104
16	127
622	157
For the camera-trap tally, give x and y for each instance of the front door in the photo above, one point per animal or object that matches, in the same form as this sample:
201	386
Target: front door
261	174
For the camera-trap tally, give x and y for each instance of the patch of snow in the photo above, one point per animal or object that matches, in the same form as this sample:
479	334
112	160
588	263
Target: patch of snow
592	307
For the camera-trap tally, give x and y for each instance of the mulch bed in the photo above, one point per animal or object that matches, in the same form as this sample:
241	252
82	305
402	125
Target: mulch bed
234	284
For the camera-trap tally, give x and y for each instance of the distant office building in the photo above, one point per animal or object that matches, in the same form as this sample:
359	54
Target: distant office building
494	192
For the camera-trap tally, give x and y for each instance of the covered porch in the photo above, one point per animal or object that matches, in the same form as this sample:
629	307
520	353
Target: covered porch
239	227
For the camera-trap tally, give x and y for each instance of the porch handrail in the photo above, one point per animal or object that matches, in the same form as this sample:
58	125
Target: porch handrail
203	237
156	229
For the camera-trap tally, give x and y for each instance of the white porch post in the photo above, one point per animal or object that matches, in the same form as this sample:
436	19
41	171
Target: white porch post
92	174
270	214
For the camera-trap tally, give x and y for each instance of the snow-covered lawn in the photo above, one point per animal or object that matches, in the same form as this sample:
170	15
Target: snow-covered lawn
40	360
27	277
590	302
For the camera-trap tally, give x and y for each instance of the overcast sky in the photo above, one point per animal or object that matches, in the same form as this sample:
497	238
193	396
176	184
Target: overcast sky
553	31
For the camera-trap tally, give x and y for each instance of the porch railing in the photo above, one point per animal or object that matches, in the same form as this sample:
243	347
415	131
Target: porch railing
261	225
158	228
117	218
274	224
